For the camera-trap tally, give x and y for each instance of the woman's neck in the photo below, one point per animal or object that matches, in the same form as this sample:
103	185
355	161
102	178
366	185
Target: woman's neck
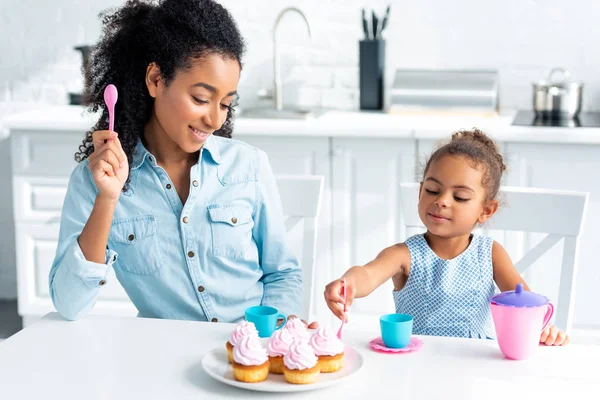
448	248
166	151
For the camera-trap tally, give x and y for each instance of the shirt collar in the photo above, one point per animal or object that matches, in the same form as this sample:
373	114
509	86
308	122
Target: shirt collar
140	153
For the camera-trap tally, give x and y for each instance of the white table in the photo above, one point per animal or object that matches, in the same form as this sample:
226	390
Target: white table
135	358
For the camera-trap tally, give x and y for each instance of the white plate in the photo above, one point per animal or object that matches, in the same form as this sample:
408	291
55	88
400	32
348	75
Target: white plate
216	365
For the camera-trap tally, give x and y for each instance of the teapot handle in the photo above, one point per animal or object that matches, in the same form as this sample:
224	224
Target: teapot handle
548	316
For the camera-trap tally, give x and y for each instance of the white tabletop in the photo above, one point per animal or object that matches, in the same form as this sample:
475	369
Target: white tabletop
134	358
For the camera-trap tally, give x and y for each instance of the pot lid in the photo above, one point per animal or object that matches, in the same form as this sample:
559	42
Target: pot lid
520	298
557	77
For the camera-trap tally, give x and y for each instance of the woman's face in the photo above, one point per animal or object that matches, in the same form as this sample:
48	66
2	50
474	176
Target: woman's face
195	103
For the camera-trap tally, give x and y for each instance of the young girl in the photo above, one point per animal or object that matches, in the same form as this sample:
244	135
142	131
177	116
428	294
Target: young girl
189	219
444	278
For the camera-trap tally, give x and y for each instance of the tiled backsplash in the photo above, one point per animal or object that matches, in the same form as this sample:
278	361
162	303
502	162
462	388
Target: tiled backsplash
523	39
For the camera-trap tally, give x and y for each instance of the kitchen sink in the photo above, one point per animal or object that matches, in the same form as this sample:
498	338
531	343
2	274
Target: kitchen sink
286	113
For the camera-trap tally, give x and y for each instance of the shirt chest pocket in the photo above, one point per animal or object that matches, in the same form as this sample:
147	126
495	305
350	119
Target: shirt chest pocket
136	241
231	228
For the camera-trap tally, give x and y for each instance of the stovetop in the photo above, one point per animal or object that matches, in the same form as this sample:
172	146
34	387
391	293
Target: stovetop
583	120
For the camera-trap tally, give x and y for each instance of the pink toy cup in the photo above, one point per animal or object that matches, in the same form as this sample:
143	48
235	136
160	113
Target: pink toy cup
520	318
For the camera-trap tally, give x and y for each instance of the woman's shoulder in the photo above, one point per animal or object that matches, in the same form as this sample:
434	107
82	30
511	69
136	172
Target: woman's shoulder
236	150
239	161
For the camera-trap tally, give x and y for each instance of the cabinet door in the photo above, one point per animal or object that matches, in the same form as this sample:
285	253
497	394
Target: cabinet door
36	246
366	173
564	167
306	156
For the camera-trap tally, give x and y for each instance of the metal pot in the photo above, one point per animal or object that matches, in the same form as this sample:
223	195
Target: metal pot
554	98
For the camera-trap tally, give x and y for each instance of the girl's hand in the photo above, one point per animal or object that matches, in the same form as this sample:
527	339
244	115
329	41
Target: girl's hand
108	164
334	296
552	336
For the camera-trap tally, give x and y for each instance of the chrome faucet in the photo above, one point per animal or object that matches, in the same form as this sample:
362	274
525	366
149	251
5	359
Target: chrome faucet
278	87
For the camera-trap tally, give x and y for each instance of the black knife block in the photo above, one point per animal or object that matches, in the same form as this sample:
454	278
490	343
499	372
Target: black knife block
371	65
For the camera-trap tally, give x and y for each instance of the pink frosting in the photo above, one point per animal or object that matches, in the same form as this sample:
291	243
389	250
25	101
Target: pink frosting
297	328
249	351
325	342
300	356
279	343
243	328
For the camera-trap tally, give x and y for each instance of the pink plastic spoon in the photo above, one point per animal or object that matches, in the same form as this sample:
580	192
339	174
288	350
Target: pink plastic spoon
110	98
339	334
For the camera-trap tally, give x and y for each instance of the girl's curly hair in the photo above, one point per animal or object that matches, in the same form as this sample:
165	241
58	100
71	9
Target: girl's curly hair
481	151
170	33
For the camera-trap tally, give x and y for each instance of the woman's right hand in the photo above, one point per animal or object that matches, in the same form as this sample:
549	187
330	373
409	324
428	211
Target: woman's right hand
108	164
334	296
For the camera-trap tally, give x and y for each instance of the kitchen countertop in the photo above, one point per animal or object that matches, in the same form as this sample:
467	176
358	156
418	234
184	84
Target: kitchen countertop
336	124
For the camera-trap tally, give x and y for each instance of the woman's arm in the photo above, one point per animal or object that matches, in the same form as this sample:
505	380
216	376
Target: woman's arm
282	276
75	280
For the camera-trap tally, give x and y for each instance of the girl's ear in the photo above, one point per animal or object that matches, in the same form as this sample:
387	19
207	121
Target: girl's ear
153	79
489	209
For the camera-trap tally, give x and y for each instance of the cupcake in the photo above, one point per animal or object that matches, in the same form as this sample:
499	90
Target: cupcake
250	361
328	348
243	328
297	328
279	343
300	363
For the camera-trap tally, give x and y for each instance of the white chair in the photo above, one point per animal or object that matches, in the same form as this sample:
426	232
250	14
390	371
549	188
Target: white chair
557	213
301	201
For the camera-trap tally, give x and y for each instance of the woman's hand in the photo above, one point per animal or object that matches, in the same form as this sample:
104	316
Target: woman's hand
312	325
552	336
108	164
334	296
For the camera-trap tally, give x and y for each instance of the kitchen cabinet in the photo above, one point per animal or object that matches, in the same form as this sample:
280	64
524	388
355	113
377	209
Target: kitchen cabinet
360	211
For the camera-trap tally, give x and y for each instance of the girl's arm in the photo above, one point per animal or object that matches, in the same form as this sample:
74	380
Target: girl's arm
505	273
507	277
361	281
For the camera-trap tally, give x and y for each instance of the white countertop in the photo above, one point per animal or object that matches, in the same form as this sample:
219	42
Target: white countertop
336	124
137	358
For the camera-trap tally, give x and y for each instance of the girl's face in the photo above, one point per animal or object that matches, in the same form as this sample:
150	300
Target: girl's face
195	103
452	198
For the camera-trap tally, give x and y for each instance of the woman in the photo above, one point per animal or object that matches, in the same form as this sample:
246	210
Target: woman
189	219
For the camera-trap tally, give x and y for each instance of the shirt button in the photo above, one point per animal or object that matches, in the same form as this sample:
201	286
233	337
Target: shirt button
131	237
186	220
102	282
190	254
168	186
201	289
114	258
195	183
214	320
234	220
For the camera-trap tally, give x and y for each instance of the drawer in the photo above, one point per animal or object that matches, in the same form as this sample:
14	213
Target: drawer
36	153
36	247
39	199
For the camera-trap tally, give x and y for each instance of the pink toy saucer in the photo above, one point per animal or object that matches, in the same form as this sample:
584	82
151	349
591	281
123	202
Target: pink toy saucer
378	345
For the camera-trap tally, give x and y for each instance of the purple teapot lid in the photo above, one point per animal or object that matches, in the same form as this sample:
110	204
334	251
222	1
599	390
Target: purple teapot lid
520	298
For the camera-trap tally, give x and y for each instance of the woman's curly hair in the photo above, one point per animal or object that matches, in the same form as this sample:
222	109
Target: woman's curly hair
170	33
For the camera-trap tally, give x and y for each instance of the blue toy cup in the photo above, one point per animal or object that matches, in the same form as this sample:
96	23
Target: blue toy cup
265	319
396	330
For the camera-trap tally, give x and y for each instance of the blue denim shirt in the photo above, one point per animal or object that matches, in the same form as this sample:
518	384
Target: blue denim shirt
222	251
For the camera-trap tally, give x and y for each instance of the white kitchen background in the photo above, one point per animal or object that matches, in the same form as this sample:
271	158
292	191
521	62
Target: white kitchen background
521	39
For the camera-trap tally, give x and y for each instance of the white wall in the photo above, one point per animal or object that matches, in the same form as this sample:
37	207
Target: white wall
523	39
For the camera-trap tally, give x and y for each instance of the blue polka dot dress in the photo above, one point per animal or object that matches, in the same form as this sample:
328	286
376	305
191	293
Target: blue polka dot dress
449	297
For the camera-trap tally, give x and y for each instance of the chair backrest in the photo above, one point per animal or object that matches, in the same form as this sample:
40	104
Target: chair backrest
557	213
301	201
